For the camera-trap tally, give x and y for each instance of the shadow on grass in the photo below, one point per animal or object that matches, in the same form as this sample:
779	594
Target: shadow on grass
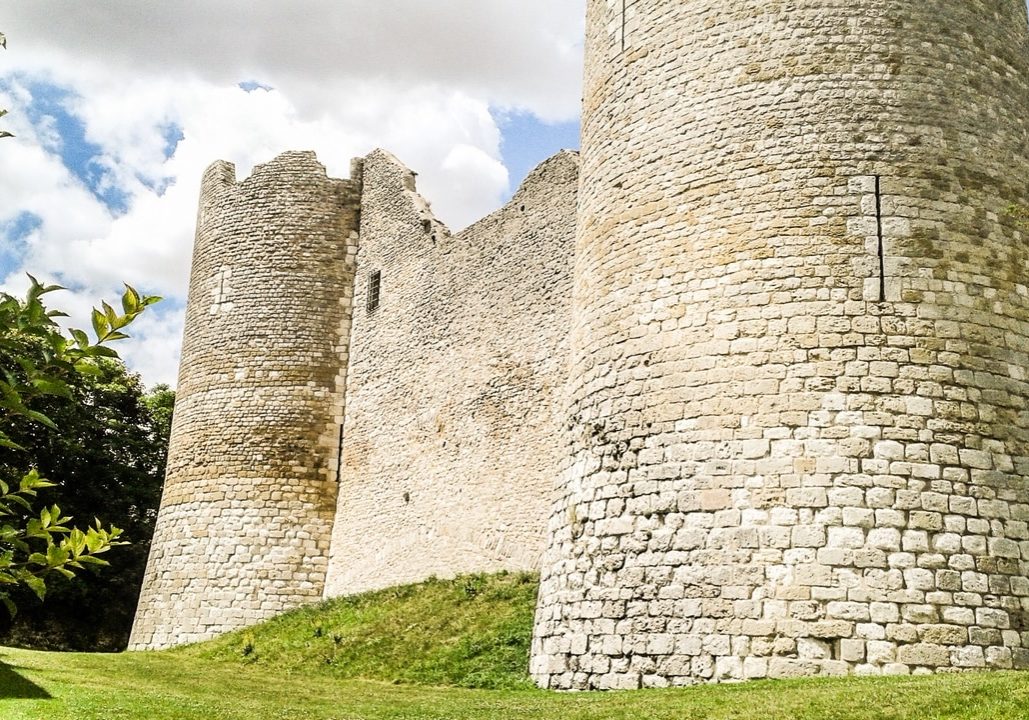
14	687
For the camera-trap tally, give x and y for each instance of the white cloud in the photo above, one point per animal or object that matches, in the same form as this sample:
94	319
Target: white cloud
155	343
521	53
417	78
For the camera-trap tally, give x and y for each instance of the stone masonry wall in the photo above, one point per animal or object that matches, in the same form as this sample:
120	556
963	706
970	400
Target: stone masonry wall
450	444
245	520
800	346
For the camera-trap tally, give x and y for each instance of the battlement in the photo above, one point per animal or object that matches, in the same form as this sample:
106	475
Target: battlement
285	170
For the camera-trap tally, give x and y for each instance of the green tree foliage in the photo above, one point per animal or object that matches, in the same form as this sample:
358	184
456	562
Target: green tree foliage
109	453
38	365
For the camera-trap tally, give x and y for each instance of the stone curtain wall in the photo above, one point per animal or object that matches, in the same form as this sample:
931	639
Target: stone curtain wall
800	346
450	447
245	521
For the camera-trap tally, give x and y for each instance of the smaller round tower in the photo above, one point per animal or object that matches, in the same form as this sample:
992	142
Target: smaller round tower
246	517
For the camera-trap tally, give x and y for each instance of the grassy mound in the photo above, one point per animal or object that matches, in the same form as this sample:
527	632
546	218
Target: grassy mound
471	632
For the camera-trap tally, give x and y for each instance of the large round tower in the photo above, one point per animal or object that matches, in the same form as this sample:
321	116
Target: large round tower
800	406
246	517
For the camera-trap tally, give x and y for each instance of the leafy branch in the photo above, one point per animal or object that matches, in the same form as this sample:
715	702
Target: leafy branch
37	360
31	550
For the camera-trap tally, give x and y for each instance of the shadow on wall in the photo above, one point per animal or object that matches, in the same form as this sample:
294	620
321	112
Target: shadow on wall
15	687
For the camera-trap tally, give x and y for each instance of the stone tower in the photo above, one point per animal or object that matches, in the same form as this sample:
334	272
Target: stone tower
246	517
800	355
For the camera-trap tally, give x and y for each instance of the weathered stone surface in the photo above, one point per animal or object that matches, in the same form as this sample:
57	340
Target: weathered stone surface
246	516
454	387
802	309
772	355
452	390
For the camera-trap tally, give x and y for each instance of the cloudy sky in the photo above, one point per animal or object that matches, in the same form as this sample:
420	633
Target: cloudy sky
119	105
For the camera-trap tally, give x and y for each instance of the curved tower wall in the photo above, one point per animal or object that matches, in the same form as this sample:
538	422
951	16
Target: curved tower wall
801	345
246	517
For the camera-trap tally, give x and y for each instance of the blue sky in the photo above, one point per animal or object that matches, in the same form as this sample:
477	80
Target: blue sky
527	142
53	106
14	233
118	107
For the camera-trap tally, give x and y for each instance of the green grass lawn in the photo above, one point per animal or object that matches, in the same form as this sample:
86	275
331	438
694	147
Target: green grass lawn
470	632
384	655
164	686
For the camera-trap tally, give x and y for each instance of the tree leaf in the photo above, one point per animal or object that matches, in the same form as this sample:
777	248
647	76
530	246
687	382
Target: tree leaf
39	360
130	300
100	326
41	419
35	584
12	609
80	337
52	386
56	556
8	443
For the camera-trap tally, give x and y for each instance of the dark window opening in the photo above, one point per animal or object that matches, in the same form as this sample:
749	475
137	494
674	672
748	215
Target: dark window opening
374	286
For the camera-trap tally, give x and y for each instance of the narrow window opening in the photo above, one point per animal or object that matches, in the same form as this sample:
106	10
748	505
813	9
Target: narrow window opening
624	22
374	286
339	456
879	232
